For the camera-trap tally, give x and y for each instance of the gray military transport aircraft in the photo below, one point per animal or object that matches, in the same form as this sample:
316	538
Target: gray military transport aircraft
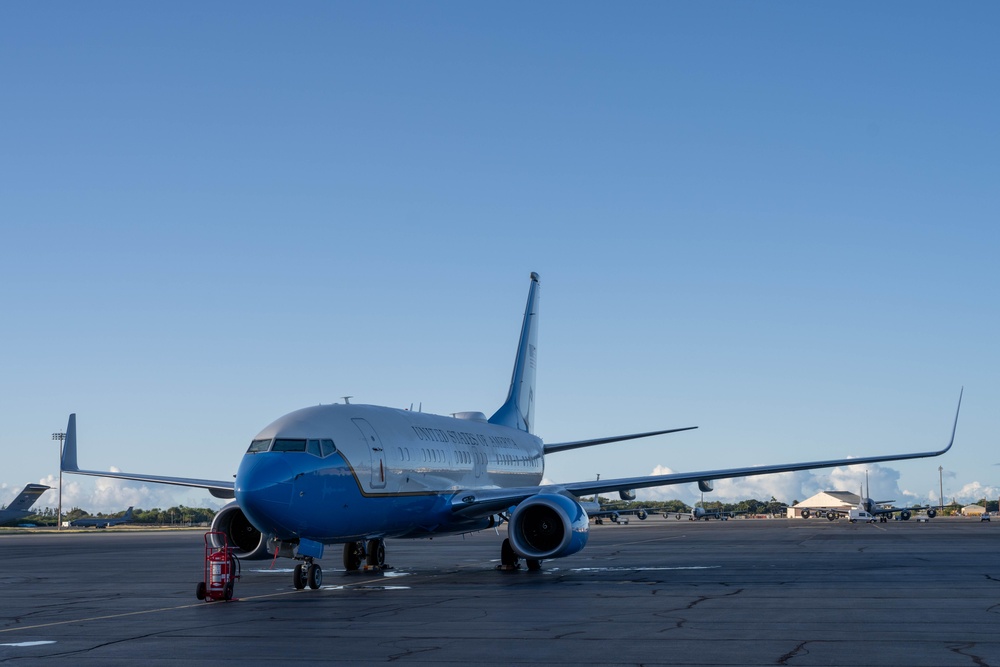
102	522
20	507
353	475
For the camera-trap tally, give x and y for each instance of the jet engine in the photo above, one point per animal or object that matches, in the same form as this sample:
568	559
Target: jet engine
641	514
905	515
548	525
931	513
246	541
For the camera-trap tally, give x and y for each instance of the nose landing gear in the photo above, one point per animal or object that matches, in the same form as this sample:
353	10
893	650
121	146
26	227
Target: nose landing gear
307	573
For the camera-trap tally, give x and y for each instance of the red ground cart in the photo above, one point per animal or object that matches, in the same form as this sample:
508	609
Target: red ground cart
222	569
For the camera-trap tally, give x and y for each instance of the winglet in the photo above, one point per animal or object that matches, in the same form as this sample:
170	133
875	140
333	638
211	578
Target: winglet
67	462
519	408
954	426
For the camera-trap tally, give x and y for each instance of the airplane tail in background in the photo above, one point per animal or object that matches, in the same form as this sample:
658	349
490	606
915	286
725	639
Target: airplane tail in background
128	514
27	497
67	462
518	411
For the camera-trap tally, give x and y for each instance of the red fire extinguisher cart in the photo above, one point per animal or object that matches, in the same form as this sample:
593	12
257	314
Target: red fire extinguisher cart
222	569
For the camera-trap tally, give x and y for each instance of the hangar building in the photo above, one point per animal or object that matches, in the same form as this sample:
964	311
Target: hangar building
844	500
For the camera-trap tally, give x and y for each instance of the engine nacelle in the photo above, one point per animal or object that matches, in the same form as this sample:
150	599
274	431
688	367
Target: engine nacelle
548	525
246	541
905	515
931	513
806	514
641	515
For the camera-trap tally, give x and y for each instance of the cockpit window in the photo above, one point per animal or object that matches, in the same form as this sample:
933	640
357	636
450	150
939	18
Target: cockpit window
288	445
259	446
328	447
313	448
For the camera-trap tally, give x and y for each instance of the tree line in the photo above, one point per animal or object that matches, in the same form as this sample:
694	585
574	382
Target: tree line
173	516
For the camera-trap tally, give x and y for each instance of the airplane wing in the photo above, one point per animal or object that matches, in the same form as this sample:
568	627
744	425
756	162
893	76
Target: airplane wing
483	502
219	489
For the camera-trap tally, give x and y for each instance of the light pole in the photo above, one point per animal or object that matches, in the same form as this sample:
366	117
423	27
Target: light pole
941	486
60	437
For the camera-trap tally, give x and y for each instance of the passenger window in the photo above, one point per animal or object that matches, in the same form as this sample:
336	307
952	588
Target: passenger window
288	445
259	446
328	447
313	448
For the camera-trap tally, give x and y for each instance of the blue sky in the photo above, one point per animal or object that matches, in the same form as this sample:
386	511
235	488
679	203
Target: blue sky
774	221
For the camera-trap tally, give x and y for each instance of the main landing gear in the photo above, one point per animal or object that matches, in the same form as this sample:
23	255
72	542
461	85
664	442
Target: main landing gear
307	573
371	552
510	561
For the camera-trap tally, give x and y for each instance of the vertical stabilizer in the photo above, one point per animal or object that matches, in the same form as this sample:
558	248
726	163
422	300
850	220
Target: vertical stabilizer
27	497
518	411
68	460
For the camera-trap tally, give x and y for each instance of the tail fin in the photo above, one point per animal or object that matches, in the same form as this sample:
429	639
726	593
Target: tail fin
128	514
518	411
29	494
68	460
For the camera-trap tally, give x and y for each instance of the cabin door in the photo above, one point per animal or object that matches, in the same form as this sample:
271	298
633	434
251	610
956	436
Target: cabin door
377	452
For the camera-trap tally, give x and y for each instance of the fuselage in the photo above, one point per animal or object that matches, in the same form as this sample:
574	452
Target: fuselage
340	473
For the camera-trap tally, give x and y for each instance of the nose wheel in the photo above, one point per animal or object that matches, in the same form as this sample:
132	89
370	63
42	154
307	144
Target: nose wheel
307	573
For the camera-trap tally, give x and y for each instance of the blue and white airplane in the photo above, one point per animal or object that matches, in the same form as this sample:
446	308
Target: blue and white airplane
354	475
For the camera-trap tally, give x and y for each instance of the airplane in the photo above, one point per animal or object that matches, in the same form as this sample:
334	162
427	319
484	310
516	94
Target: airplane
102	522
700	513
617	516
21	505
354	474
873	507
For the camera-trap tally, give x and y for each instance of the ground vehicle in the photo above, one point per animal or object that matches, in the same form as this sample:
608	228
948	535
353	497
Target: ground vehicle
985	516
860	515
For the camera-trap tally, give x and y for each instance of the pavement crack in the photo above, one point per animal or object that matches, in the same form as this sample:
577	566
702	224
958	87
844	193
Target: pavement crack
961	650
797	651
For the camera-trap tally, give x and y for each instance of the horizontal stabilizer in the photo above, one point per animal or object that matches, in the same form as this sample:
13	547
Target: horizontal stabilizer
219	489
563	446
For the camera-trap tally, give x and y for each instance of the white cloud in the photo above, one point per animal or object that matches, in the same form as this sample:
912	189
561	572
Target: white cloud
788	486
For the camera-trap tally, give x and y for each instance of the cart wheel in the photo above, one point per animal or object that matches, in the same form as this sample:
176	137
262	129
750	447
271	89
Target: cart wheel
315	576
200	592
298	578
228	591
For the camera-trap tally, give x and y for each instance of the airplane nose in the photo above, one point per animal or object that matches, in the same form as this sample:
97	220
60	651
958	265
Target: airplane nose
264	487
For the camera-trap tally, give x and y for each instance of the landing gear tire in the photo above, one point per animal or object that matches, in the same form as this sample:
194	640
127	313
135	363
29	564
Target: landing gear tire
298	577
376	553
315	576
534	564
353	553
509	560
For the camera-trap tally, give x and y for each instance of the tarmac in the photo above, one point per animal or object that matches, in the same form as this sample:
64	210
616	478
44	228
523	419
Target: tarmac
658	592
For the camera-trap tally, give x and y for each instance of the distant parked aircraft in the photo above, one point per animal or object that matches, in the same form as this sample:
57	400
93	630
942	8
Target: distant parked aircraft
105	522
20	506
